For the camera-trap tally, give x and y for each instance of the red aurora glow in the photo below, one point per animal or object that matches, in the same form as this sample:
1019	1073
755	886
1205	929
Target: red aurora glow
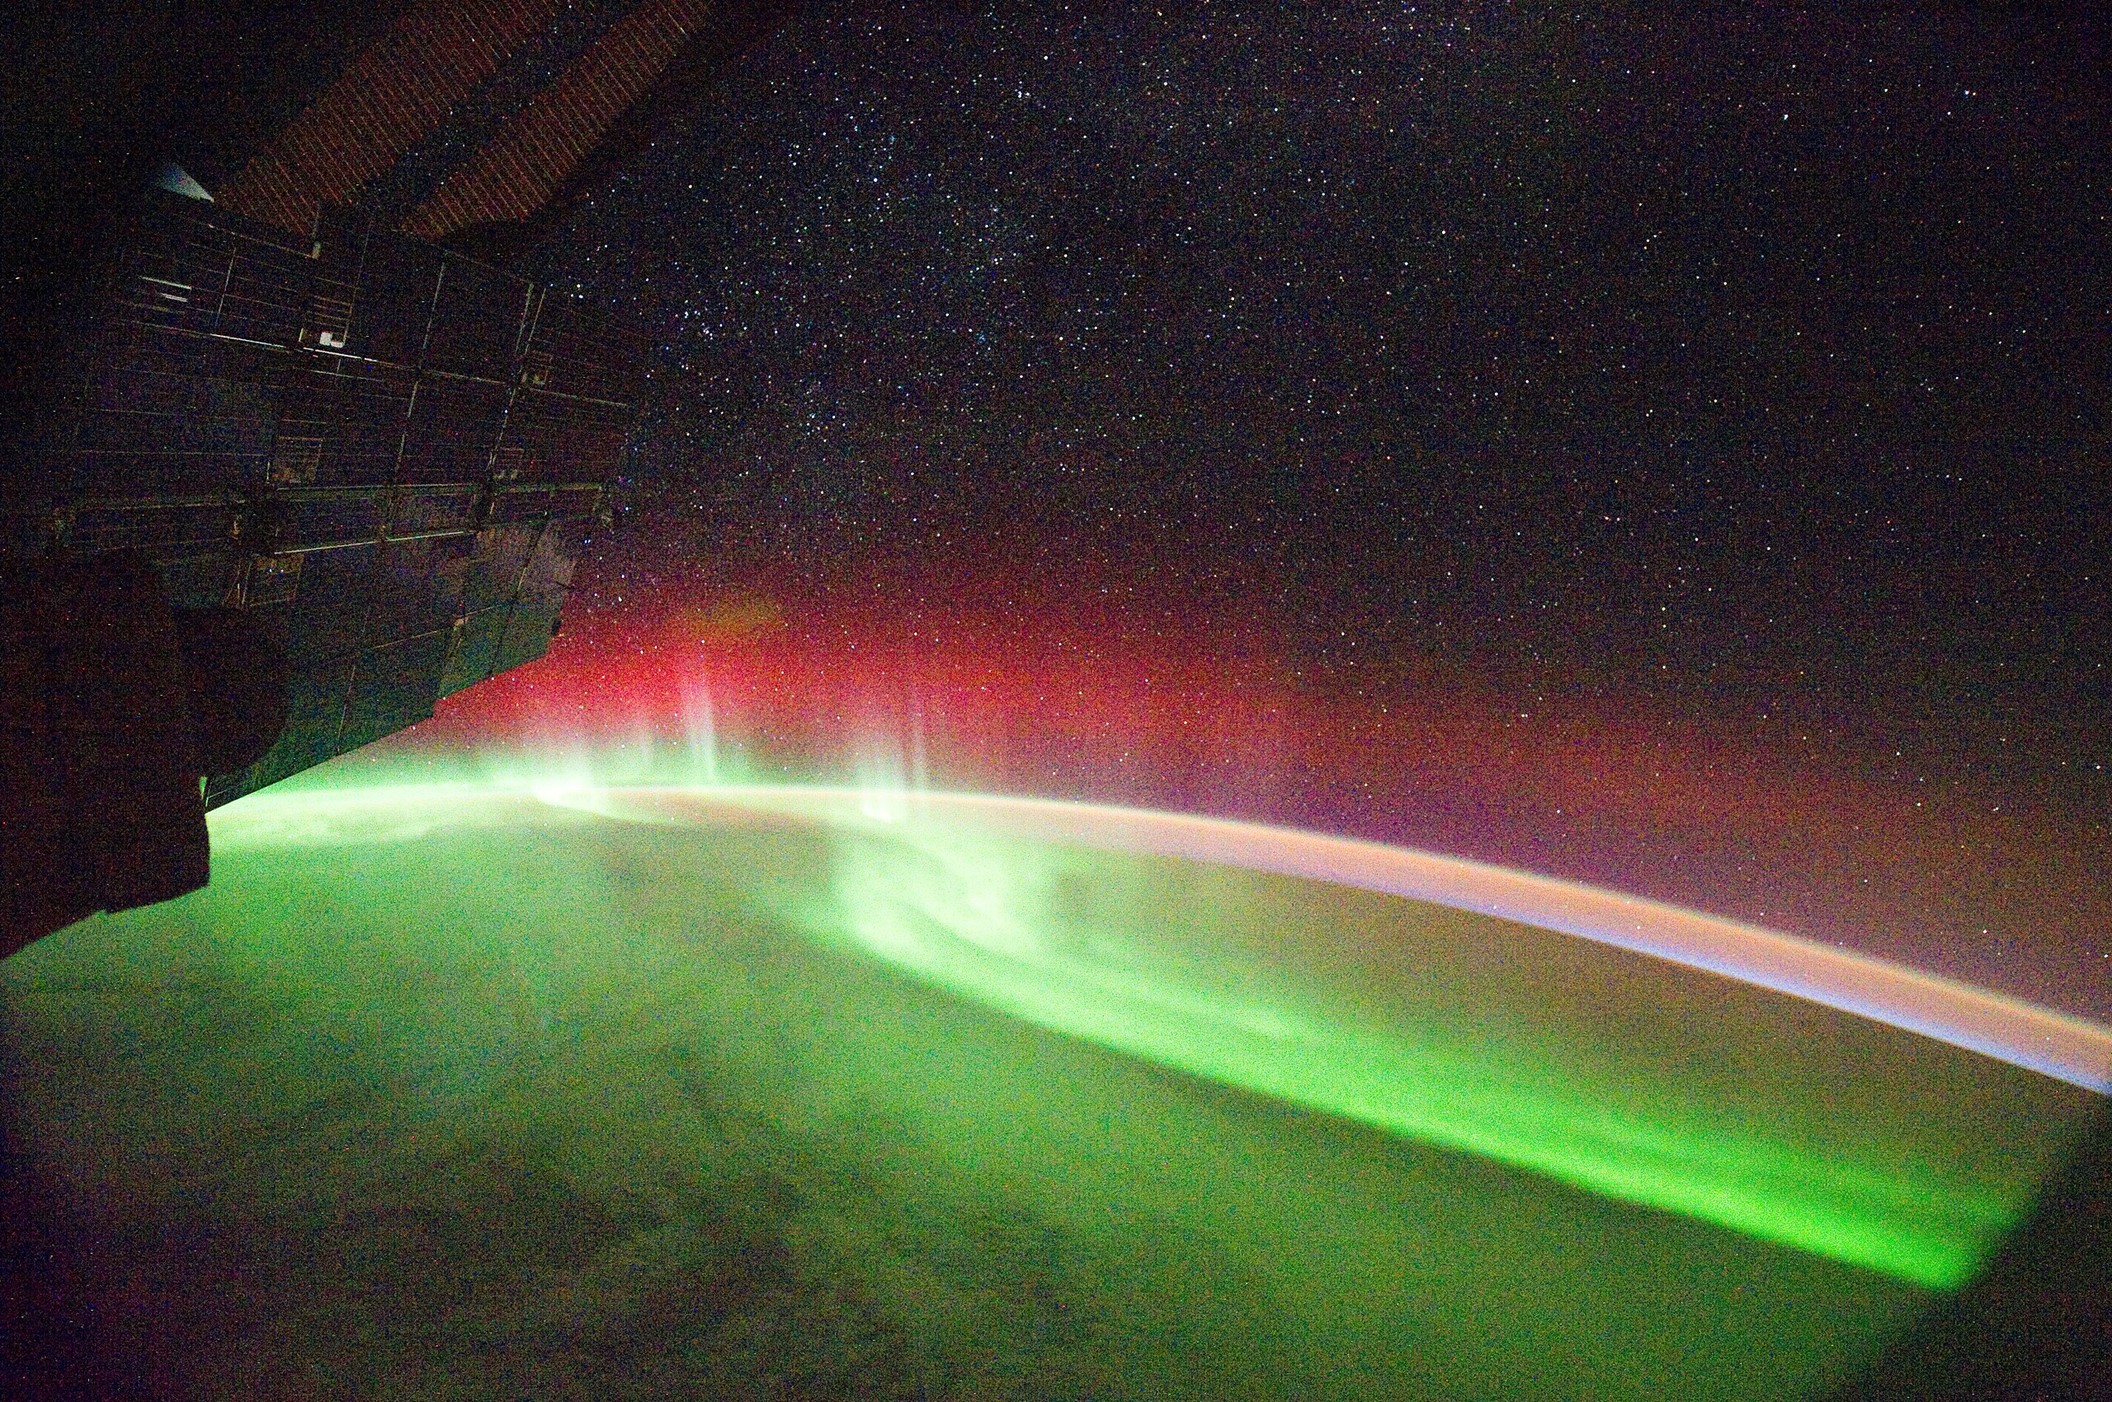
1085	704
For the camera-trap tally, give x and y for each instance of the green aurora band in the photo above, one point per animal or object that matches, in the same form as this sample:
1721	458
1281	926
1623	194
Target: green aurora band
1616	1073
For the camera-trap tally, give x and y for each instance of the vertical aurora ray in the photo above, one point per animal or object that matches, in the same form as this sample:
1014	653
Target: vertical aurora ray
700	726
890	764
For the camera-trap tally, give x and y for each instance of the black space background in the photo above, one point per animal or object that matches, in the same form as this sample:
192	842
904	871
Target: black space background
1756	364
1751	367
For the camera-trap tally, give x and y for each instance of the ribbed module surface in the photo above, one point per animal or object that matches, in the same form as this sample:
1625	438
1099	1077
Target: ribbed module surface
391	98
384	453
527	160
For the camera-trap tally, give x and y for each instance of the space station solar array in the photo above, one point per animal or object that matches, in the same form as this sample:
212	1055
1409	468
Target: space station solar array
385	452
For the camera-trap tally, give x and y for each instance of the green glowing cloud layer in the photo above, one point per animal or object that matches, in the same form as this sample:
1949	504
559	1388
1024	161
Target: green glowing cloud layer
1623	1075
1666	1175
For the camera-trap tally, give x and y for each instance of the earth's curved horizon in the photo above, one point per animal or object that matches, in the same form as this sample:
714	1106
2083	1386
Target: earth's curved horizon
1084	1017
2010	1029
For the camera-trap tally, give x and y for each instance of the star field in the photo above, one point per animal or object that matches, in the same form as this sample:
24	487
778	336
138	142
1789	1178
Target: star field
1747	362
1747	371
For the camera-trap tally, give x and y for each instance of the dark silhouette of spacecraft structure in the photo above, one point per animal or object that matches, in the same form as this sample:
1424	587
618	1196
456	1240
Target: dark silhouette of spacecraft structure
307	451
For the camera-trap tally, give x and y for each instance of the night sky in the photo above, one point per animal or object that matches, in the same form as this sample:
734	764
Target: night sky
1756	364
1722	399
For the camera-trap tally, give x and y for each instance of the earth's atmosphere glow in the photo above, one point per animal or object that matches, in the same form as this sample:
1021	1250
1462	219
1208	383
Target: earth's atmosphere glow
956	890
564	1078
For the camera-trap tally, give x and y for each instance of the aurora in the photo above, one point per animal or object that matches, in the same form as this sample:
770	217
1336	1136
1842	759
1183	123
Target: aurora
563	1064
968	893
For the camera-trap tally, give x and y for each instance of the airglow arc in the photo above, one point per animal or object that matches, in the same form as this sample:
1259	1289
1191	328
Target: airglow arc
2067	1048
966	893
2007	1029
